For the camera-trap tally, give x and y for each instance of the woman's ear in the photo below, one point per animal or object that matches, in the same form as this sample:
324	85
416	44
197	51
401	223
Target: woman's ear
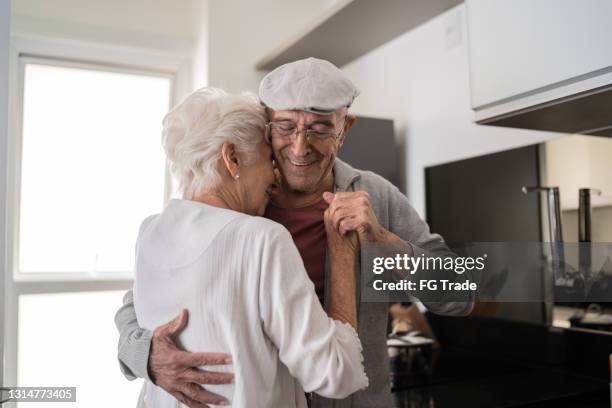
230	159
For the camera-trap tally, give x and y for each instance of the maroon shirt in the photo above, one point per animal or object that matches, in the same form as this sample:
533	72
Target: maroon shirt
307	228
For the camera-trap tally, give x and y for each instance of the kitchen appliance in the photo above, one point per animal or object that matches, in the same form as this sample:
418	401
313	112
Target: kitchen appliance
410	357
371	146
479	200
593	318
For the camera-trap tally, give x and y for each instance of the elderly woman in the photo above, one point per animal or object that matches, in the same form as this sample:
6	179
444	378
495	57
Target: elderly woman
240	275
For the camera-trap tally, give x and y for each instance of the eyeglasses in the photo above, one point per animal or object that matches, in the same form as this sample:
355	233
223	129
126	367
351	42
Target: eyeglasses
288	131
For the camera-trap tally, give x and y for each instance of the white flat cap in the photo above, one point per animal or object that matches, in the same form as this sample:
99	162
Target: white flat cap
310	84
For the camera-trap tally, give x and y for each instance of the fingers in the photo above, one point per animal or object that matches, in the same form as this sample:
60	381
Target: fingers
208	377
354	224
328	197
334	199
179	323
346	225
197	393
188	359
359	199
350	212
351	195
188	401
215	358
174	326
339	215
174	370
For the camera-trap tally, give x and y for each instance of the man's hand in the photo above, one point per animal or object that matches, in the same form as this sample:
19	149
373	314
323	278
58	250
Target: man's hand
353	212
177	372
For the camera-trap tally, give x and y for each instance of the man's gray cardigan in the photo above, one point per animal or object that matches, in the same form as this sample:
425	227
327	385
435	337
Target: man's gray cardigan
395	214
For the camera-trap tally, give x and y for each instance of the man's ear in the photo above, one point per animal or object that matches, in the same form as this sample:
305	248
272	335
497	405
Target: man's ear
348	124
230	158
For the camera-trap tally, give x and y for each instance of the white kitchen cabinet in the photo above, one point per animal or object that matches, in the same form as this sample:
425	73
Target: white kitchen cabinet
524	53
349	29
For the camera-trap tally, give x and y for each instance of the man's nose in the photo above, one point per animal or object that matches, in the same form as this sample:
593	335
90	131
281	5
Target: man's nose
300	146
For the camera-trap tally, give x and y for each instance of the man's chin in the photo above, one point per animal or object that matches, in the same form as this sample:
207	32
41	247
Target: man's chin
302	186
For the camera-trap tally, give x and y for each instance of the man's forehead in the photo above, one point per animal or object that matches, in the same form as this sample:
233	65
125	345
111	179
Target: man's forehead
300	116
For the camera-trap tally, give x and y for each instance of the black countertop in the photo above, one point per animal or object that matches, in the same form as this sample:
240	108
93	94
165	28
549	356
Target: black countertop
491	363
465	379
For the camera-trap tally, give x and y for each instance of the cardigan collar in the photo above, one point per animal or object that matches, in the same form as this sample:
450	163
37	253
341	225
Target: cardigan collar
344	175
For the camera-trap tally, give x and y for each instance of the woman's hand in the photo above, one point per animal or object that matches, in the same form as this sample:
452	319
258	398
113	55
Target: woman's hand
338	245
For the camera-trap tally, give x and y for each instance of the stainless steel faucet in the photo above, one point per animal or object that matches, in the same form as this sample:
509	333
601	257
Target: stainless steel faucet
584	213
554	211
557	250
584	231
557	254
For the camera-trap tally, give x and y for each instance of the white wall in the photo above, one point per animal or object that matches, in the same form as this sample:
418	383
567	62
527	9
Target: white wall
200	51
160	24
243	31
591	167
4	66
162	34
420	80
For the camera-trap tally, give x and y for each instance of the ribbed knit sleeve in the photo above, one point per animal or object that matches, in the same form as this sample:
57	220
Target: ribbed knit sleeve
134	341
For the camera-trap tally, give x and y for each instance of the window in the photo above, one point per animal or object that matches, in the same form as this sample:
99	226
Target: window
78	350
92	166
88	167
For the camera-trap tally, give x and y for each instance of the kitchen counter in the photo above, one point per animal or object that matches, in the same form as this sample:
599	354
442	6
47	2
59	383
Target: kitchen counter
462	378
489	362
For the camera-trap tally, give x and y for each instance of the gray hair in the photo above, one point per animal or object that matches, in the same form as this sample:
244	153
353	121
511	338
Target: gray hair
195	130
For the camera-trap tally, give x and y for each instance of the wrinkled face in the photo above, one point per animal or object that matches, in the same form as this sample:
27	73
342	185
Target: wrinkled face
257	181
305	164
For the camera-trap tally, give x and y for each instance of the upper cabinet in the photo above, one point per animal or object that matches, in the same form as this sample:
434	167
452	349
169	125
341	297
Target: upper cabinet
349	29
542	64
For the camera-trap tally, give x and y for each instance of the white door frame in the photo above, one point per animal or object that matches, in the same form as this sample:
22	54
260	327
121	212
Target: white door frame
5	15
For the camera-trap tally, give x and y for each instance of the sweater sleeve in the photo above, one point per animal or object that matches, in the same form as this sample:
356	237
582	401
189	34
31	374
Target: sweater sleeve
323	354
134	341
406	223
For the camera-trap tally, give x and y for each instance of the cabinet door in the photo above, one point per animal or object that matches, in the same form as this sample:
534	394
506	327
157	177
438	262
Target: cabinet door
520	47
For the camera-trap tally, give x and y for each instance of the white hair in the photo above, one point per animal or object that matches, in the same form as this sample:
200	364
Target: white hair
195	130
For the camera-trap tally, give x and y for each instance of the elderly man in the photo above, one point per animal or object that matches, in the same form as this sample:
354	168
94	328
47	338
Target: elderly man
307	103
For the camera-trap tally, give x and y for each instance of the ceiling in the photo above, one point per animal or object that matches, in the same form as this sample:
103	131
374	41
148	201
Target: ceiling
174	19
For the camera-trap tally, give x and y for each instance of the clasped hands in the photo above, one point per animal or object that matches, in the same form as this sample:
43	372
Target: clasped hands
352	211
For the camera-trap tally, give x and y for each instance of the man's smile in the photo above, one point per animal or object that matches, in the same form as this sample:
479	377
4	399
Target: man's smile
300	163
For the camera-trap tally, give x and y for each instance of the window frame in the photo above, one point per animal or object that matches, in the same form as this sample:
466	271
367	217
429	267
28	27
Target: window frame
15	158
5	20
24	50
